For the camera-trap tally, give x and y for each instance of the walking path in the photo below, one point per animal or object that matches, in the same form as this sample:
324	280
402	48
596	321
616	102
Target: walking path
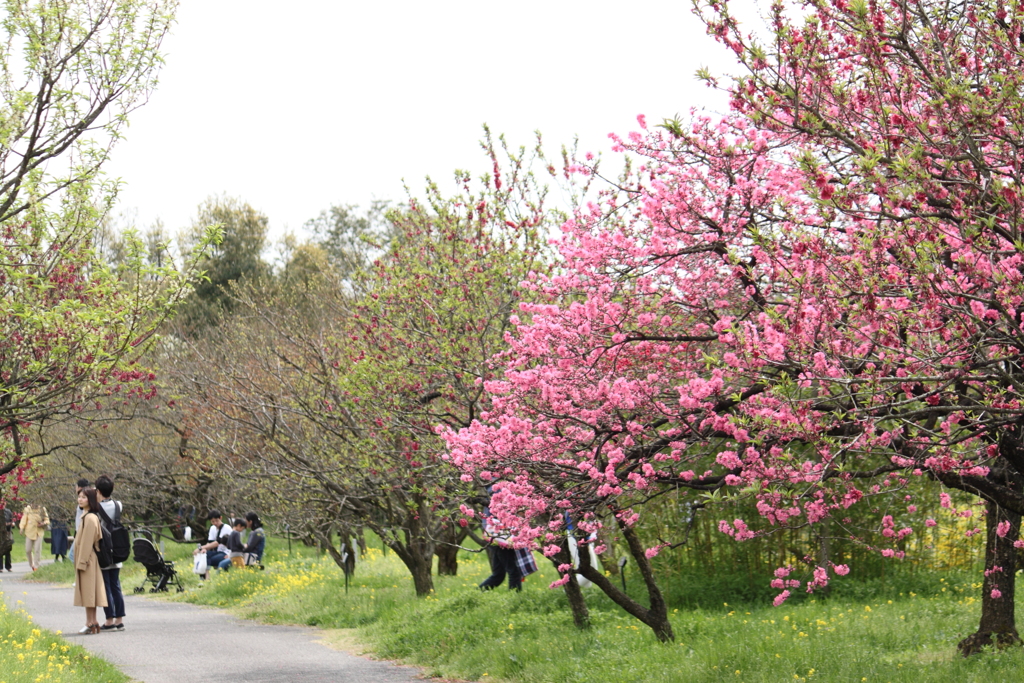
170	642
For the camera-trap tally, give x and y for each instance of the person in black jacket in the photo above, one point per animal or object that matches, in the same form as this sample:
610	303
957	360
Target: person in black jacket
114	611
58	541
9	525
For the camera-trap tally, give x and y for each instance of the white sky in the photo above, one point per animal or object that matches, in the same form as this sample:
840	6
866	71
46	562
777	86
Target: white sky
326	102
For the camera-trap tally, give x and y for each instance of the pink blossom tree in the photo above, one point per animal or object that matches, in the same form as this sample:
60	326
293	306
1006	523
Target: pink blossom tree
813	301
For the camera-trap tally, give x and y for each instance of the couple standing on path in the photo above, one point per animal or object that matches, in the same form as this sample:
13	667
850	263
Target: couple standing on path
97	575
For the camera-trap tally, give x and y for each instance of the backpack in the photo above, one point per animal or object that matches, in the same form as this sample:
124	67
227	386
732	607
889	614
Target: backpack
104	554
115	540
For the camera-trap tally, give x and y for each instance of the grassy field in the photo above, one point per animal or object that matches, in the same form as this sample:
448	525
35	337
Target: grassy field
904	630
876	632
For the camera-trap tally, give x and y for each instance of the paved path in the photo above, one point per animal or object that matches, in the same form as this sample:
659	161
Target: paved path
169	642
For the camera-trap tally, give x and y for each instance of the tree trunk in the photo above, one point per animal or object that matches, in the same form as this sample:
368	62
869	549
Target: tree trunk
824	552
577	603
416	550
327	545
448	550
998	623
422	580
344	555
655	616
361	541
447	560
607	558
419	566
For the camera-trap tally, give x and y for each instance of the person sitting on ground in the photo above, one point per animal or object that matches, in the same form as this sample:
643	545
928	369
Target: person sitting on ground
214	548
257	540
235	546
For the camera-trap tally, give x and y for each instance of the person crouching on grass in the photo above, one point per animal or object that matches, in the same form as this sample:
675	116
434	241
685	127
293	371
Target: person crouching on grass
235	546
215	549
90	592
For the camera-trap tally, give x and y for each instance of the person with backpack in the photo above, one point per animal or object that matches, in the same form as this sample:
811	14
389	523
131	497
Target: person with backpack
90	592
120	548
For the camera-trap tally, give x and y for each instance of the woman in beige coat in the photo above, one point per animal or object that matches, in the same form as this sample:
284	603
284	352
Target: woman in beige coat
89	590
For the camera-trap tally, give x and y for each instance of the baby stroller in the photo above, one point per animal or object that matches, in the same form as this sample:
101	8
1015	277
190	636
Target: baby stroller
159	571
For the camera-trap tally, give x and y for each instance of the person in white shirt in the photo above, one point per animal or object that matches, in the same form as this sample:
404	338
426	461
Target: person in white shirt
114	611
215	547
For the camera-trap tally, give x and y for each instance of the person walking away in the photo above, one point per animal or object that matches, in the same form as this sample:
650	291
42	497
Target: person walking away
7	542
257	540
79	485
214	548
58	541
110	509
505	559
34	521
89	590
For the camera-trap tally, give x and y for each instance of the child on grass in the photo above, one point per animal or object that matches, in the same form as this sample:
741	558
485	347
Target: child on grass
235	546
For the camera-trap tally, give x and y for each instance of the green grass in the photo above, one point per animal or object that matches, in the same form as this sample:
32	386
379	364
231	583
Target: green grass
132	573
877	631
32	655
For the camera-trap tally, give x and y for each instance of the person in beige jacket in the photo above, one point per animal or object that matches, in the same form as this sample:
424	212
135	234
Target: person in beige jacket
90	592
34	522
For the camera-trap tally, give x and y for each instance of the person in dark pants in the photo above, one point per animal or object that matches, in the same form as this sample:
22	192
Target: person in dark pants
58	541
8	519
215	549
516	563
114	610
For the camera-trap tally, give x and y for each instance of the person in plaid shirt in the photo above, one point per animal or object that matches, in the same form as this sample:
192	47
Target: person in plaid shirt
517	563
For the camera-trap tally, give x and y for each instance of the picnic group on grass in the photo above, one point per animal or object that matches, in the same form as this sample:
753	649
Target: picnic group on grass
224	547
101	544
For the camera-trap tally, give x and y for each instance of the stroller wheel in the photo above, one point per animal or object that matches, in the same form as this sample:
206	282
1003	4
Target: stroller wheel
181	589
140	589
